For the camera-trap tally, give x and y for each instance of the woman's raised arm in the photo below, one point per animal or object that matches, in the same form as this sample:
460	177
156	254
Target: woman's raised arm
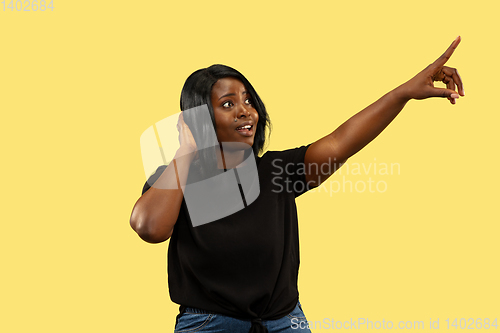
366	125
155	213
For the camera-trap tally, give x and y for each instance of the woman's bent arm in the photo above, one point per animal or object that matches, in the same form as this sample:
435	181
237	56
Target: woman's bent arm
155	213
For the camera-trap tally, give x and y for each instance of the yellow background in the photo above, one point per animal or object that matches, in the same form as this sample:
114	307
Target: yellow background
78	86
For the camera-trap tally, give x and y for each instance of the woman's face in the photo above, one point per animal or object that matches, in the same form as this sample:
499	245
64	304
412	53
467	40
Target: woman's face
230	100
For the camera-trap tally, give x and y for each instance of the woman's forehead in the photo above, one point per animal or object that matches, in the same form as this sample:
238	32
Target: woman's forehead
227	85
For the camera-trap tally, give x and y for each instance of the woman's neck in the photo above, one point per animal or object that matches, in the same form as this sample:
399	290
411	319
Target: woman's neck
231	156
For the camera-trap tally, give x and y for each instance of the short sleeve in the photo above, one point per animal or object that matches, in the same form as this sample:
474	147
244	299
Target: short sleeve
295	169
153	178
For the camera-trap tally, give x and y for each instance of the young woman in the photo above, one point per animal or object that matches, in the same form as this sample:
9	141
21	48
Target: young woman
239	273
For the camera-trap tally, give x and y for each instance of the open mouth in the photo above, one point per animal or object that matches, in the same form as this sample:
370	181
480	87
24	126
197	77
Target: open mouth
244	129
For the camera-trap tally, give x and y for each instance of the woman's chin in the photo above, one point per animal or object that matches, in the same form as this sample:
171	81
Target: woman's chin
237	145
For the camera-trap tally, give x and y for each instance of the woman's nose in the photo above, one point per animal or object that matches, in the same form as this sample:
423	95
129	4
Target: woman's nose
242	110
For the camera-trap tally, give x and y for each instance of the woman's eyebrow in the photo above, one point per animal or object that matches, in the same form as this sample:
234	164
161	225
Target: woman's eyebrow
232	94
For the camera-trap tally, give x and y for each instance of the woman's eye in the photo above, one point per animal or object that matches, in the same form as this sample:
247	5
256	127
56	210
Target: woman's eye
248	101
227	104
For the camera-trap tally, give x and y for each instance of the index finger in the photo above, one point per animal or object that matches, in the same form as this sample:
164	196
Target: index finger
446	55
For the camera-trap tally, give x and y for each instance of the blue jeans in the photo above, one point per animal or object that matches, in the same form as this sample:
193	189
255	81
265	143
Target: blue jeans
197	320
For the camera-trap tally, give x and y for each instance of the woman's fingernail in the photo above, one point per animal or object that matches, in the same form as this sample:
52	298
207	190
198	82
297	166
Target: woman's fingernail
454	96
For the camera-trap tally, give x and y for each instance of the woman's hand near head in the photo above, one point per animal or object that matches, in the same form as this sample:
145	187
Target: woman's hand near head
422	85
155	213
186	139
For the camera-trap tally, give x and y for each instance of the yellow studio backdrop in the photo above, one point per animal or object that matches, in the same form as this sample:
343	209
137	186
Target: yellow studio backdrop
80	83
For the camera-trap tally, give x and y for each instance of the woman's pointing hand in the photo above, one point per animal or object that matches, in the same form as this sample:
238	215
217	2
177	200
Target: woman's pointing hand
422	85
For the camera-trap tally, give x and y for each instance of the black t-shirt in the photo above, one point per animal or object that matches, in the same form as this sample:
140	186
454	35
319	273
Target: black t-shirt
244	265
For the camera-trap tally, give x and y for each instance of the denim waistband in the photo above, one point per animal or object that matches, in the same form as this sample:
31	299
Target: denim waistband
196	310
